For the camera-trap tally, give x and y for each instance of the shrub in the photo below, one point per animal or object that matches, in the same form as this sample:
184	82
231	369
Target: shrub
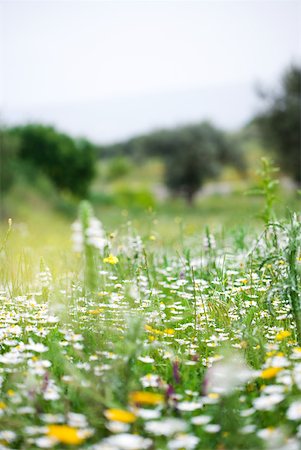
70	164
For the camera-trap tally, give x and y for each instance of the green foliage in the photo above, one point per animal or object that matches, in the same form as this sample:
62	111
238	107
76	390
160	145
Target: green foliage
8	161
128	197
5	239
70	164
202	335
292	253
118	167
279	122
280	245
267	188
89	253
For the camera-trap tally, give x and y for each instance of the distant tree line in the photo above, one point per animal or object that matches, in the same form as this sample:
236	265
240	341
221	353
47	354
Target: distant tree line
191	154
196	152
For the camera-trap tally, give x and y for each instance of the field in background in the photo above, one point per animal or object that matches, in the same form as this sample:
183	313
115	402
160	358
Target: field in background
42	218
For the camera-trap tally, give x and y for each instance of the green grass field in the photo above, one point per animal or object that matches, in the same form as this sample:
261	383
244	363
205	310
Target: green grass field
151	327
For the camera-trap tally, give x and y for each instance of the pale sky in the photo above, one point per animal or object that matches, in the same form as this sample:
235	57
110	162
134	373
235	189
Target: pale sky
84	65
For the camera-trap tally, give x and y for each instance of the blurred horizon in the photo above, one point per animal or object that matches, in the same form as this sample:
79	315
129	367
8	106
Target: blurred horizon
111	70
113	120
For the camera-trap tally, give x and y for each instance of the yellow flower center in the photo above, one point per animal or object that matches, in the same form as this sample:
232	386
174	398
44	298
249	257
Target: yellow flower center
282	335
270	372
111	259
120	415
146	398
65	434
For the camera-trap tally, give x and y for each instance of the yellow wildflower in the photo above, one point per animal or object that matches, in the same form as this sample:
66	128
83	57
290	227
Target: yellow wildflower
146	398
270	372
213	395
2	405
95	311
111	259
282	335
153	330
169	331
120	415
65	434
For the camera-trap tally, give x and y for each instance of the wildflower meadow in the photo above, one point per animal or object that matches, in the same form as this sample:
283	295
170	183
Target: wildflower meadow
125	342
150	251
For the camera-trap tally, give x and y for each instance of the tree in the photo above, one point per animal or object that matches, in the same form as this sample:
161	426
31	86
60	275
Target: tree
194	153
279	122
191	154
70	164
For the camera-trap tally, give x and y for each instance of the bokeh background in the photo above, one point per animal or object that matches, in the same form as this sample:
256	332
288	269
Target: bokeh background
158	112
